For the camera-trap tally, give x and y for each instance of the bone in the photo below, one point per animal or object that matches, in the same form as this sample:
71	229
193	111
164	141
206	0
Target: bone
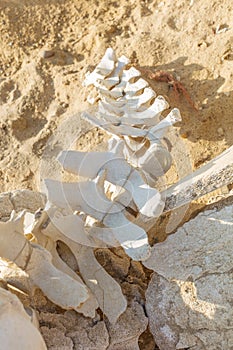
116	169
37	263
106	289
114	77
215	174
103	69
85	196
132	89
17	330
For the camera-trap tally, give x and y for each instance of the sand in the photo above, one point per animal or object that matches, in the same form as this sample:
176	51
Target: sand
47	46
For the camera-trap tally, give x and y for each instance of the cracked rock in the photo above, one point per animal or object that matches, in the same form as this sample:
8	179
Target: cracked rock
73	331
130	325
189	299
19	200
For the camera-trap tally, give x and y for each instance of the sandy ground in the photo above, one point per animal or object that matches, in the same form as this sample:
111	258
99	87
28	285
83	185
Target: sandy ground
47	46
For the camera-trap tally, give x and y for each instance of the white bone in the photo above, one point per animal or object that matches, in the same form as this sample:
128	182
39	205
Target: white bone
81	196
105	288
117	169
107	63
127	75
135	102
132	88
37	262
132	238
104	68
114	77
17	331
158	130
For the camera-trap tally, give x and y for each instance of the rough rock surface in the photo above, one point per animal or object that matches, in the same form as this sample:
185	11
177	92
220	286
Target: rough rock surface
130	325
74	331
189	299
20	200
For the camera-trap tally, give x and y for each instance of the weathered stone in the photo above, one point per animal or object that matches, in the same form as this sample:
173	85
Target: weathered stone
27	200
47	53
189	299
73	331
6	206
20	200
130	325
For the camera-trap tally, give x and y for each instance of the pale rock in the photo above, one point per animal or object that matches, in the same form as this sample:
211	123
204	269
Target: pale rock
125	333
189	299
20	200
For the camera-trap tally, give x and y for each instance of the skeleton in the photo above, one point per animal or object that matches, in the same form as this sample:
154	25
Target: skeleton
100	210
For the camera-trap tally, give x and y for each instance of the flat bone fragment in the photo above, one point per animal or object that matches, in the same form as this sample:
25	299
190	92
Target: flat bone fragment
52	232
215	174
158	131
104	287
73	229
16	328
89	274
135	102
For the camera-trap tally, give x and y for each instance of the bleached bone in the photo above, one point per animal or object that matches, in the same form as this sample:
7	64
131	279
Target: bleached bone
113	79
116	171
17	330
132	238
215	174
105	289
104	68
36	262
128	105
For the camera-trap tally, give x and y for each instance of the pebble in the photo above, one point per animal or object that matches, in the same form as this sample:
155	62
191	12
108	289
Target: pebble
47	53
65	105
220	131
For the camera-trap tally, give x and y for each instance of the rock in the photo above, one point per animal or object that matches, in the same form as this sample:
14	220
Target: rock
27	200
73	331
47	53
6	206
20	200
125	333
189	298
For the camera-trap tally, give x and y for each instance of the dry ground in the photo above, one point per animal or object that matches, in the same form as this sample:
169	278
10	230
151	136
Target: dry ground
191	39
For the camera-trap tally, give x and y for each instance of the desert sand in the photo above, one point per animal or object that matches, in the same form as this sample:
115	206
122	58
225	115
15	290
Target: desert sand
47	46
